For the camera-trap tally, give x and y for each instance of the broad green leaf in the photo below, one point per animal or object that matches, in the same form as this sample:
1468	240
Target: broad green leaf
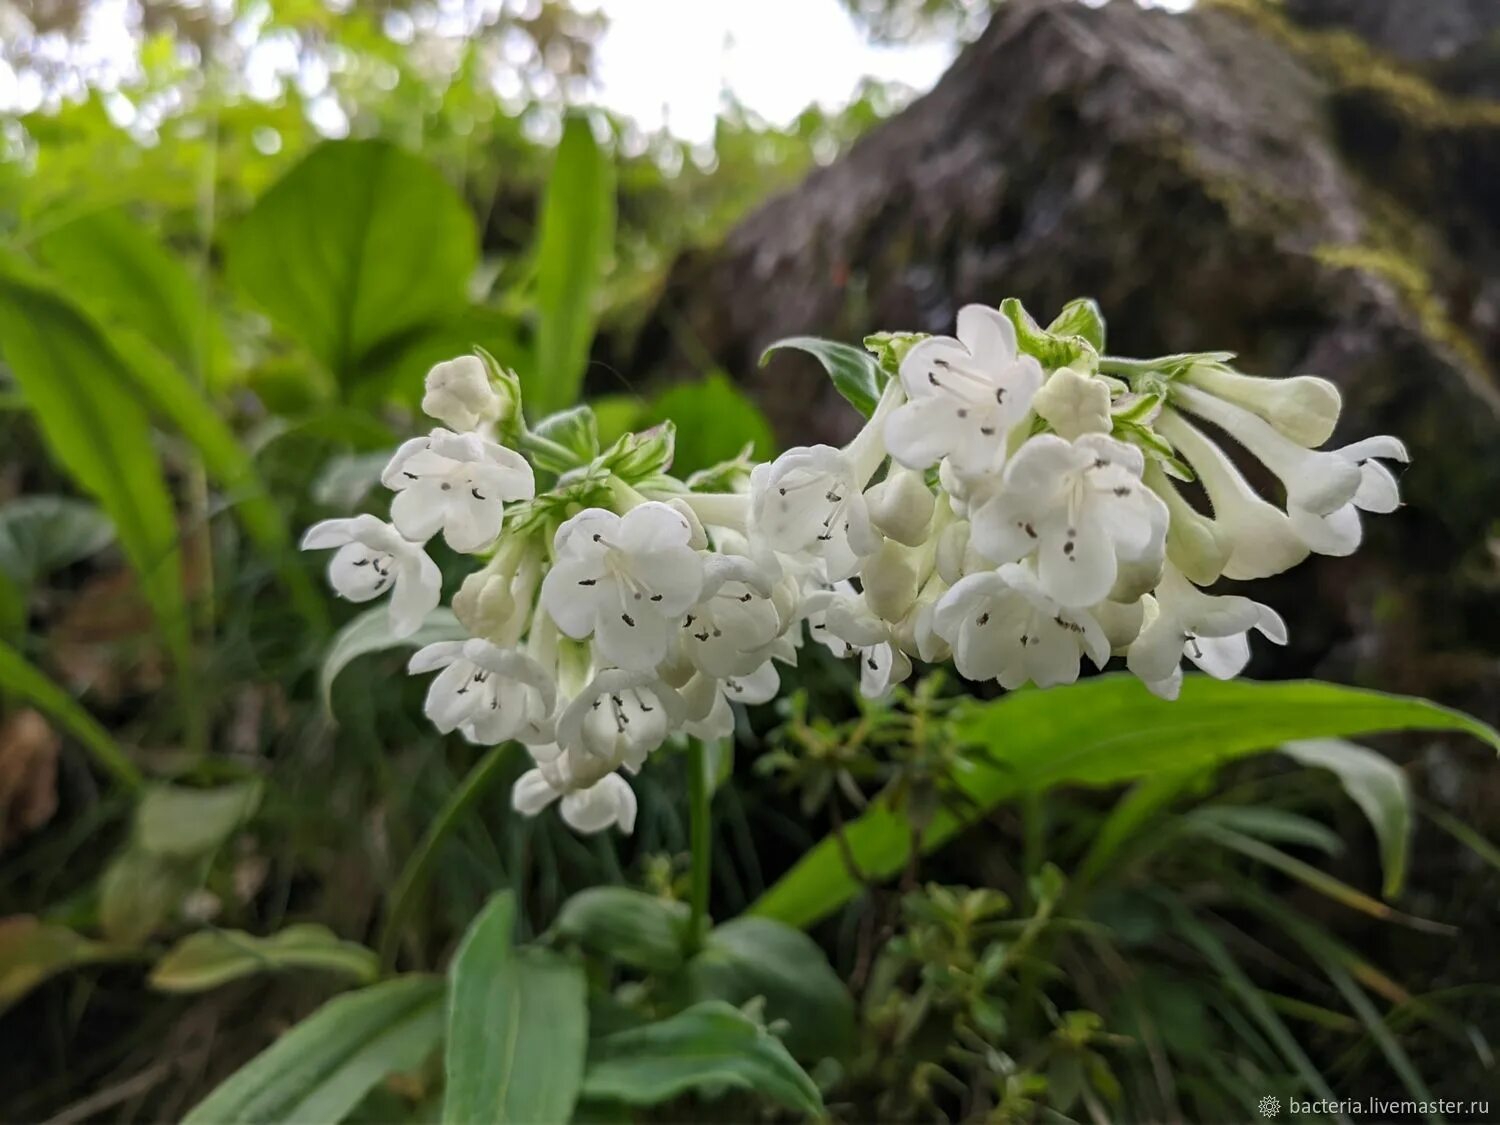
81	392
210	958
517	1027
706	1047
128	278
173	821
715	420
1378	786
322	1068
27	681
40	534
625	925
749	957
576	234
1104	731
140	892
856	374
32	950
356	246
370	631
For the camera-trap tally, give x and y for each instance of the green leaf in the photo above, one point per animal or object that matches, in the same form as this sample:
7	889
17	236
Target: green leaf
175	822
1276	826
128	278
139	892
81	392
210	958
517	1027
625	925
322	1068
1052	351
576	235
1080	317
29	682
856	374
370	631
715	422
1102	732
749	957
32	950
709	1046
1379	787
575	434
358	245
40	534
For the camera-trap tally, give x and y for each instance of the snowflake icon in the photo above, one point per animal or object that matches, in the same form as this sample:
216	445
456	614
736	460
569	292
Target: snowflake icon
1269	1106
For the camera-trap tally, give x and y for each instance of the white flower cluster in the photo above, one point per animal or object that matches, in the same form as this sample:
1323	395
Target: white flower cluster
1013	503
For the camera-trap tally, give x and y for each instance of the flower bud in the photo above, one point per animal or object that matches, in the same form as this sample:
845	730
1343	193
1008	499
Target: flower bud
1304	409
1121	621
952	551
484	604
698	538
901	505
461	396
889	578
1073	404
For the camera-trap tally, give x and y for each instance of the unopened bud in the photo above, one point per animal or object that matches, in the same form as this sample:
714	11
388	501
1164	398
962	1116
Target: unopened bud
889	578
461	395
1073	403
901	505
1305	409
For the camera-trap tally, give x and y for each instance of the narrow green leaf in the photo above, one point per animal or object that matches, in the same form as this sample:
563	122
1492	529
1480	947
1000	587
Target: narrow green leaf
29	682
356	246
856	374
321	1069
576	234
1379	787
210	958
625	925
1102	732
81	392
709	1046
1272	825
517	1027
370	632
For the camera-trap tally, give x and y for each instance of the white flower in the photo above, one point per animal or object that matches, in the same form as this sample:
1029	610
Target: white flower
841	620
1212	631
590	802
1080	507
1263	541
460	395
808	503
1073	404
487	693
1304	408
620	717
1339	532
457	483
372	558
963	395
625	580
1003	626
1316	482
727	632
758	686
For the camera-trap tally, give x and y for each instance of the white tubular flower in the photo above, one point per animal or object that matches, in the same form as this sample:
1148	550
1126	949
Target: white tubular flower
457	483
624	580
1304	409
1213	632
486	693
620	717
849	628
1316	482
901	505
759	686
808	503
1003	626
963	396
1262	537
374	557
1073	404
1080	507
590	803
1340	532
1197	545
460	395
727	632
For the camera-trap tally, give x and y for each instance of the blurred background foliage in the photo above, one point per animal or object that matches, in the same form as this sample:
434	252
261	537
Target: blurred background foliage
224	270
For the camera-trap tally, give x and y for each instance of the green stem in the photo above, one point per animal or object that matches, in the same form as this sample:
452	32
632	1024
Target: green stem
700	811
418	867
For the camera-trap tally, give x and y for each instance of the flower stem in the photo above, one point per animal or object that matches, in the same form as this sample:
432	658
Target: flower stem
700	824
